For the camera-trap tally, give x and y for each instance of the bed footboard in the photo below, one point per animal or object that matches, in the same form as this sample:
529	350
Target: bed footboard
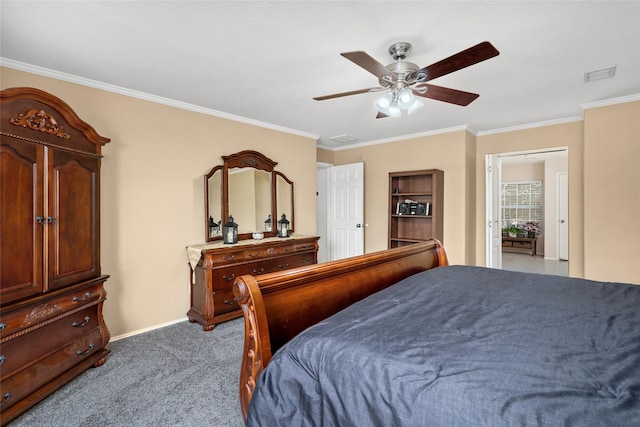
278	306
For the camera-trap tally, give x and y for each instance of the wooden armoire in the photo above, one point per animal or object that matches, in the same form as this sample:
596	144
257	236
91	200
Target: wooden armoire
51	286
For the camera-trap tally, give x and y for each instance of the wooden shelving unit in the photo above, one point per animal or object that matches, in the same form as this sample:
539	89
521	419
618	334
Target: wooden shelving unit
417	222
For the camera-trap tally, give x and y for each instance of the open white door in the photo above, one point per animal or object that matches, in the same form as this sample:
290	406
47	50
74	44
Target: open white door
494	231
563	216
346	211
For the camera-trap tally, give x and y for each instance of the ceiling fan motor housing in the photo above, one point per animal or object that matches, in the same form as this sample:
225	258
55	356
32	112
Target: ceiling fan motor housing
400	50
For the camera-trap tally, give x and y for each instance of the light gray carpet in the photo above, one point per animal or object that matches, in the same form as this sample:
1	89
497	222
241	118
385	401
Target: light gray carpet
175	376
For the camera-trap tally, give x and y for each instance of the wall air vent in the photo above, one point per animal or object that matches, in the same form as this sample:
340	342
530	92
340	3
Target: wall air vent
344	138
602	73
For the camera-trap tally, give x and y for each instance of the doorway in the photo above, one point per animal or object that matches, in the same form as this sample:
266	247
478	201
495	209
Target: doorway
548	166
340	210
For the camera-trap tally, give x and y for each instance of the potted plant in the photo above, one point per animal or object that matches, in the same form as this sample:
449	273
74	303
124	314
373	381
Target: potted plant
532	229
512	230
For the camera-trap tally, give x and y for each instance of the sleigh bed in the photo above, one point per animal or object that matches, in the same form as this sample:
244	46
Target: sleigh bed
399	338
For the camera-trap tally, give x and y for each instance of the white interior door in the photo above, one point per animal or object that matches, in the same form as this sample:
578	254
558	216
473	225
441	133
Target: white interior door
322	210
494	231
563	216
346	211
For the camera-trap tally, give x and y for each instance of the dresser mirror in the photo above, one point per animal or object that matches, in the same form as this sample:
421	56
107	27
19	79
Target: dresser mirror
246	187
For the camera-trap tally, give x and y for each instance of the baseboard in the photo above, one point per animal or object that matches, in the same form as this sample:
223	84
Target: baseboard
151	328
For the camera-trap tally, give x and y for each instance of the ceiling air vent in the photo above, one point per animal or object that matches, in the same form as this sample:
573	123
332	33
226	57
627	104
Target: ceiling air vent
602	73
344	138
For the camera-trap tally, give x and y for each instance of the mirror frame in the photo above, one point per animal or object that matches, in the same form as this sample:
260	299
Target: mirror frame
277	174
206	202
245	159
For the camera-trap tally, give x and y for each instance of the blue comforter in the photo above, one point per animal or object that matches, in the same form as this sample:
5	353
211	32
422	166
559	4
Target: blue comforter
464	346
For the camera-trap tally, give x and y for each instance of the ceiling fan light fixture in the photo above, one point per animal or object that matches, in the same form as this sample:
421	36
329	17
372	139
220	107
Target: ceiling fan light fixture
415	106
383	103
405	98
394	110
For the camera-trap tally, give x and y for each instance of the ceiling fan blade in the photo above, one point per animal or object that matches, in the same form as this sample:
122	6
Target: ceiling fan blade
381	115
368	63
460	60
445	94
338	95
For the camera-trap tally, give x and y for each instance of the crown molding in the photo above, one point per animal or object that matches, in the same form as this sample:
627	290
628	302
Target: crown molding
612	101
33	69
532	125
398	138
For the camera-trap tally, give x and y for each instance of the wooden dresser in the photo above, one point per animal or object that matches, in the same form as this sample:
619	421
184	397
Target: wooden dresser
51	286
215	266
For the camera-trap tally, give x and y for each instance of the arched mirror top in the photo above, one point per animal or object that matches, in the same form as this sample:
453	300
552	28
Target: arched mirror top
249	159
246	187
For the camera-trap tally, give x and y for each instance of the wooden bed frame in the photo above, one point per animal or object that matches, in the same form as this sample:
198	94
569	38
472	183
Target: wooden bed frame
278	306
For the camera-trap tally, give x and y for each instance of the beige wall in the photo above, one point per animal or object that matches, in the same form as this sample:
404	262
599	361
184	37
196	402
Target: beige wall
448	152
153	194
324	156
612	192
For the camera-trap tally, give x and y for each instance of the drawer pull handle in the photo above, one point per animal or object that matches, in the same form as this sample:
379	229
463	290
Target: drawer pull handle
283	266
230	301
2	326
253	255
80	352
257	272
2	358
305	260
84	298
231	258
288	249
230	278
80	325
7	396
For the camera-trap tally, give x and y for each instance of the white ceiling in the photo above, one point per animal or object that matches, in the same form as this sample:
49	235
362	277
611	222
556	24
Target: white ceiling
263	62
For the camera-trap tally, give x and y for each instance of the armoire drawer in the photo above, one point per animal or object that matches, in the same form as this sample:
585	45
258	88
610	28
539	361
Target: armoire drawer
24	382
26	316
20	352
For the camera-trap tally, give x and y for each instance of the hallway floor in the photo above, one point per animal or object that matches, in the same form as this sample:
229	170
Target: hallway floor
534	264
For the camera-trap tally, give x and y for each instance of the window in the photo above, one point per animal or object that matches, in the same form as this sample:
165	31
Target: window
521	202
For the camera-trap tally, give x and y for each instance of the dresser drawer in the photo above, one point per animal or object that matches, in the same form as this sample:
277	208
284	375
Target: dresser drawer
294	261
24	382
20	351
27	316
230	257
223	277
306	246
224	302
522	245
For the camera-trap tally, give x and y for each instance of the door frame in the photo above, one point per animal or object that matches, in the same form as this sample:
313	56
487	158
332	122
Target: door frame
495	191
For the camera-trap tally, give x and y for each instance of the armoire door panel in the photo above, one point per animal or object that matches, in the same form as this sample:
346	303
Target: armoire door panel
20	232
73	220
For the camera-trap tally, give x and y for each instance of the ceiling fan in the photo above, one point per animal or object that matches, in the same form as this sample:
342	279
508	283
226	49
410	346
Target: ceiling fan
401	80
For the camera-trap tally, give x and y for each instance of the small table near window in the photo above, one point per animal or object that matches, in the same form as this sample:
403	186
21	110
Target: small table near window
519	244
